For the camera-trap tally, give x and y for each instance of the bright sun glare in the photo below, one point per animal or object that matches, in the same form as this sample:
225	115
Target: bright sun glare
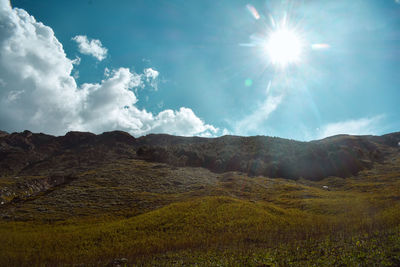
284	47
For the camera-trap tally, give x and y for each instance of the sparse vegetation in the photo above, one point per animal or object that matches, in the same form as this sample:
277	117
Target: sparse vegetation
156	214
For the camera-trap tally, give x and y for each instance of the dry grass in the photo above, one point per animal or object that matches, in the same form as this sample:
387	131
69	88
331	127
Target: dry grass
156	215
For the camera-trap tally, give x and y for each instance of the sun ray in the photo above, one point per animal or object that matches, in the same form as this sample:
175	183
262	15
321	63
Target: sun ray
284	47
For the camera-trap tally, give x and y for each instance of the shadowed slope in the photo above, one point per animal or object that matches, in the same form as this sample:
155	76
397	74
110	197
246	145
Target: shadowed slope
341	155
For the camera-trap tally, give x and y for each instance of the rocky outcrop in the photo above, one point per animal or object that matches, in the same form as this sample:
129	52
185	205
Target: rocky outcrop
2	133
341	155
28	188
27	153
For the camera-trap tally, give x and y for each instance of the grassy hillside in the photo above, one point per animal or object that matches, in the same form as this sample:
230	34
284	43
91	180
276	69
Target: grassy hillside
236	220
216	225
108	209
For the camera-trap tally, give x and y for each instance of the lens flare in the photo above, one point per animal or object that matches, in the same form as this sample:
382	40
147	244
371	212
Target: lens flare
248	82
320	46
284	46
253	11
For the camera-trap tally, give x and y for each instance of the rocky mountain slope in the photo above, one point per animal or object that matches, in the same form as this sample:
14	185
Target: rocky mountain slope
33	164
342	155
90	200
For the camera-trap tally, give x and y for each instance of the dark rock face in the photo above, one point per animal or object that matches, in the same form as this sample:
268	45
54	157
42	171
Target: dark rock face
343	155
36	186
30	153
2	133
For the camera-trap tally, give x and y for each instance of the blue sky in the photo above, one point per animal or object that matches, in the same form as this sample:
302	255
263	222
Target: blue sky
210	59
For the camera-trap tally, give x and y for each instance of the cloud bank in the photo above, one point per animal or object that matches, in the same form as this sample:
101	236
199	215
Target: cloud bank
37	91
362	126
91	47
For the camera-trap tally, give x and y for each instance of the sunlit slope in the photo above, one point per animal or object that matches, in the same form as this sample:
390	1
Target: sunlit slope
201	222
96	201
233	213
131	187
198	224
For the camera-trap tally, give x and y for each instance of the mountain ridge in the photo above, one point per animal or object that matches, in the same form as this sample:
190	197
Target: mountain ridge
340	155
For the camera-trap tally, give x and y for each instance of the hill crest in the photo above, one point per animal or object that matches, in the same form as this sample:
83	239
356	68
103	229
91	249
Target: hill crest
340	155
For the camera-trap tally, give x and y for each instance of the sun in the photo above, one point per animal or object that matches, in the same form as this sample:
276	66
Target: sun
284	47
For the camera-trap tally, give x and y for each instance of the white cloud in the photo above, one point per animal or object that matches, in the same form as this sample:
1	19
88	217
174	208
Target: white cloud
76	61
252	122
107	72
75	74
150	73
91	47
33	63
151	76
362	126
182	122
113	97
38	93
13	95
225	132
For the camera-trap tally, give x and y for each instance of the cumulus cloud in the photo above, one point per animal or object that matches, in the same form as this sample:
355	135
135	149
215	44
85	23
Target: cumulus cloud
151	76
362	126
91	47
39	93
38	88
